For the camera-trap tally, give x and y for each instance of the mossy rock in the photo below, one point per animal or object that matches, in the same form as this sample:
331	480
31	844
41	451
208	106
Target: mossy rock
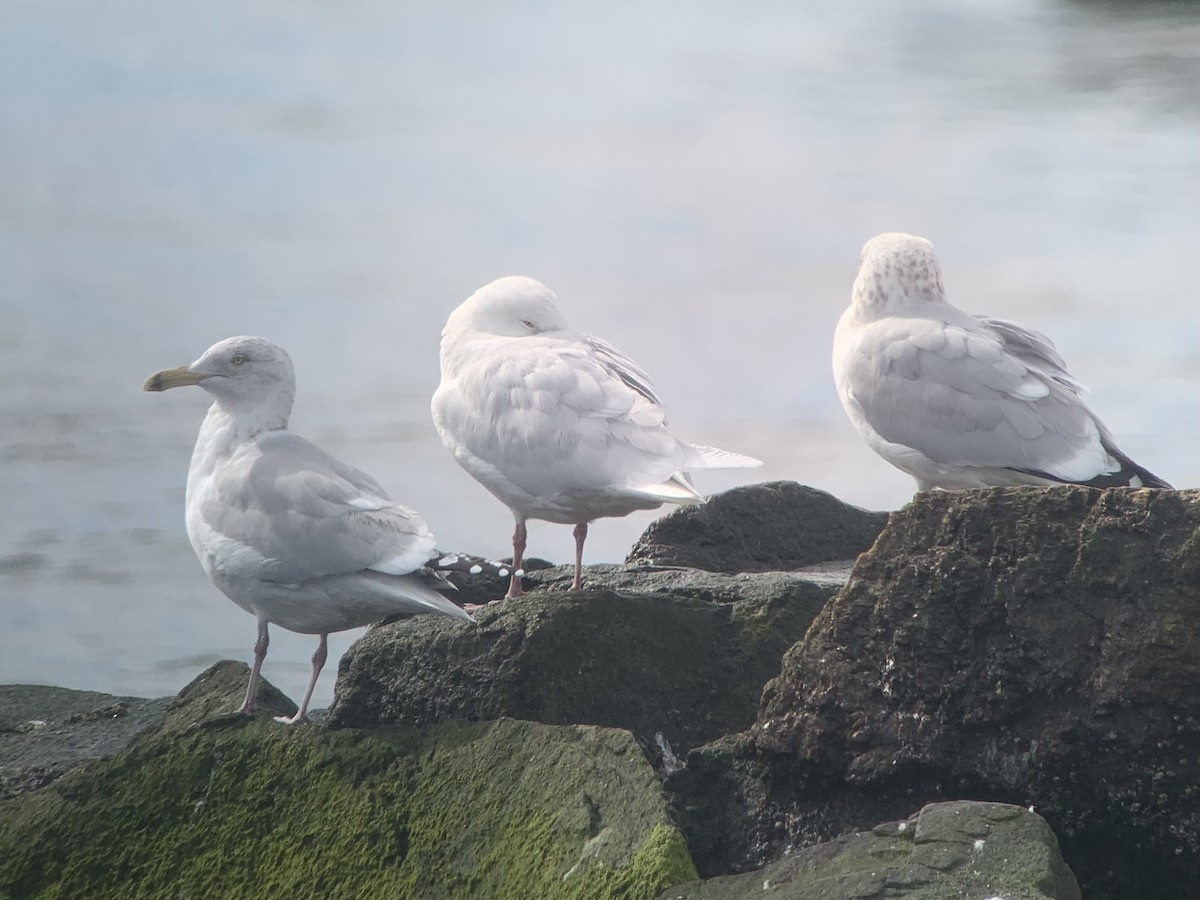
946	851
682	653
241	807
1019	644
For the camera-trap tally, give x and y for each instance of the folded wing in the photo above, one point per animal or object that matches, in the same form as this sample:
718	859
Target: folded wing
989	395
302	514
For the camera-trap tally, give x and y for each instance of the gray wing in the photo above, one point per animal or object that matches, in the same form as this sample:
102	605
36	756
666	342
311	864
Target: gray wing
1034	349
974	394
292	512
622	367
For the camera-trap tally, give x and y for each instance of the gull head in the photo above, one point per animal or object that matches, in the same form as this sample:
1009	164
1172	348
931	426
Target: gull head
240	372
898	271
515	306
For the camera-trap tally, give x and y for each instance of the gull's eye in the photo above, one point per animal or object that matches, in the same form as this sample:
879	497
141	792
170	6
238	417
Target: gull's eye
239	359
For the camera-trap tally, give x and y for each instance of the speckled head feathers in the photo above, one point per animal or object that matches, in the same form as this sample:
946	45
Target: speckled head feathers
898	269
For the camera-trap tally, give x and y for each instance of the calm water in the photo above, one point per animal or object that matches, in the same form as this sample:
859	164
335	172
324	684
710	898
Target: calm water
694	180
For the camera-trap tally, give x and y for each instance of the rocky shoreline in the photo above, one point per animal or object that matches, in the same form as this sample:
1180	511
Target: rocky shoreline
739	709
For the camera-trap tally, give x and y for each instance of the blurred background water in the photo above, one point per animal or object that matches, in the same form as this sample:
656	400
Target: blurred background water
695	181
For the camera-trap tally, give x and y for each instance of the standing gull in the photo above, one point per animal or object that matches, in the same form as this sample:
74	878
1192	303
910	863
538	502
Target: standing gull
957	400
559	425
286	531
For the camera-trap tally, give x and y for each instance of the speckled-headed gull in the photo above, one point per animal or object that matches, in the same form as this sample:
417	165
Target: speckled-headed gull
286	531
557	424
957	400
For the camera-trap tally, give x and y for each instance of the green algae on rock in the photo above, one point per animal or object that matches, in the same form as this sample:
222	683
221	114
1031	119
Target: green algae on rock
681	652
245	808
944	852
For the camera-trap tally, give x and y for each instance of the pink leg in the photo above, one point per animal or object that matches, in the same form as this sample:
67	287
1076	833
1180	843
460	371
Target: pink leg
580	536
250	704
514	585
318	662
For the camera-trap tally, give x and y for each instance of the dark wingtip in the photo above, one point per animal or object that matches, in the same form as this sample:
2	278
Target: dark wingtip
1150	480
1131	472
1129	475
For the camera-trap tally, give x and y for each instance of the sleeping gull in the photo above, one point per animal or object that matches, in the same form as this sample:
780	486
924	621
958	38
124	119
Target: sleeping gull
559	425
957	400
286	531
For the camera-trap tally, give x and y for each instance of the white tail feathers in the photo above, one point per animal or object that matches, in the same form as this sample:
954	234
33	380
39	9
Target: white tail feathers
676	489
431	601
409	594
714	458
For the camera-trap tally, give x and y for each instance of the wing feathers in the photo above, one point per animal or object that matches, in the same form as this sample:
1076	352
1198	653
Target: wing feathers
306	515
983	393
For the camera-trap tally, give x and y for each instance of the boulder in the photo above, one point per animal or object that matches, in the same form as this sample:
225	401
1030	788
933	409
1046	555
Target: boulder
774	526
47	731
487	584
681	653
1034	646
234	806
218	692
946	850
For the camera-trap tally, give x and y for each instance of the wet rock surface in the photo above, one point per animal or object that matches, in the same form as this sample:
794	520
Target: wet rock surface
47	731
775	526
1040	647
1033	647
944	851
233	806
682	653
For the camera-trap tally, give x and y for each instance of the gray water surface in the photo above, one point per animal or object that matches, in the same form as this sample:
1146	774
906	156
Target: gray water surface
694	180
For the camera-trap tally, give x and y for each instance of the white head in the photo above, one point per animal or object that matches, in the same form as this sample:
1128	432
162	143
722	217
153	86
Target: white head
898	269
244	375
515	306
